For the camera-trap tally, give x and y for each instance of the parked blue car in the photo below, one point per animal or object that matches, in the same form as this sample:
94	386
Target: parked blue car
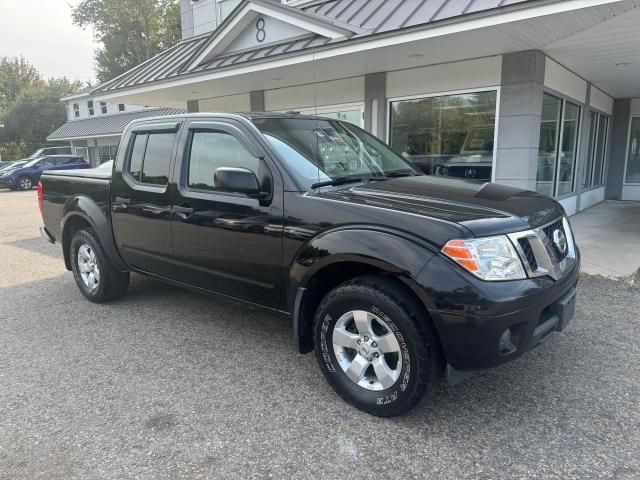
28	176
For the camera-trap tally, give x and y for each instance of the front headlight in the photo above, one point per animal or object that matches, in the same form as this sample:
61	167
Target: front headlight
490	258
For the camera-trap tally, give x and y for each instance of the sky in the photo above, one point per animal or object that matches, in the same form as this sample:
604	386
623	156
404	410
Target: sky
42	32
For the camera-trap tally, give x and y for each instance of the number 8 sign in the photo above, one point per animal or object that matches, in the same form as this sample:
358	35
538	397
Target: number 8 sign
261	33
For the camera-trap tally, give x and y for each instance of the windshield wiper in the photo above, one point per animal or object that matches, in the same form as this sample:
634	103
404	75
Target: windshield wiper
399	173
345	180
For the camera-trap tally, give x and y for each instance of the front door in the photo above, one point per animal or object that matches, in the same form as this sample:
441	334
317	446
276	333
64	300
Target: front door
226	241
141	198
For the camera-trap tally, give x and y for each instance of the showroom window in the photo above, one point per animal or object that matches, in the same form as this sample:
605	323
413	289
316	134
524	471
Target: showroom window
596	150
558	146
633	157
449	135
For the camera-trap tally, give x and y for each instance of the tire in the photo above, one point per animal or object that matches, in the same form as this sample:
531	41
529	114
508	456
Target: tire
88	257
399	323
25	183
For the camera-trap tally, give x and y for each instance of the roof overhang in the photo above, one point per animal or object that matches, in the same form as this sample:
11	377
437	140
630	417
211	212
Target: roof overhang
508	30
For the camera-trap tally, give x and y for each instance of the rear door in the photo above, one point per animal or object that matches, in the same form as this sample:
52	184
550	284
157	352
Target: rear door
224	241
141	197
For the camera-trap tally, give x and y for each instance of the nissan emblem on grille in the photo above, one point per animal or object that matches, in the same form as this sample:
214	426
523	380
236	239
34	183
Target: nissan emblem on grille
560	241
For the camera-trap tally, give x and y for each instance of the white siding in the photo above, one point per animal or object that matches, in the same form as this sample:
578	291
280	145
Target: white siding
465	75
570	205
601	100
563	81
591	197
231	103
348	90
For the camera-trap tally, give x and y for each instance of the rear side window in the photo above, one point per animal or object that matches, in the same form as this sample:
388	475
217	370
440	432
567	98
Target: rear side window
151	157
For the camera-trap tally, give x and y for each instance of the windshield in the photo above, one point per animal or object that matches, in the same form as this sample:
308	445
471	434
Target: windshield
324	150
32	163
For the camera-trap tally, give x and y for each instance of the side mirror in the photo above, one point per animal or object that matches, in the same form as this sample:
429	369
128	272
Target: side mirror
240	180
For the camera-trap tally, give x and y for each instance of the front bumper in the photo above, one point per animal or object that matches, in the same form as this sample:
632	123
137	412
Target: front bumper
472	316
7	183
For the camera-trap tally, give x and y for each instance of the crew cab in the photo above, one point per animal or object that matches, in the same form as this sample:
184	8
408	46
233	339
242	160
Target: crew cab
392	277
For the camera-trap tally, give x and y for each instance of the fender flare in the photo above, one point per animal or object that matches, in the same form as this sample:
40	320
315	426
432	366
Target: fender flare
87	209
393	252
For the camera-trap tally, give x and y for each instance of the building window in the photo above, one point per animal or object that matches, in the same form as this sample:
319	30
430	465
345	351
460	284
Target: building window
121	107
90	107
76	110
633	157
596	150
450	135
107	153
558	146
103	107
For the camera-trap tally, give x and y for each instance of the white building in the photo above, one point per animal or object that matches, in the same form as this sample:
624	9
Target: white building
94	127
540	94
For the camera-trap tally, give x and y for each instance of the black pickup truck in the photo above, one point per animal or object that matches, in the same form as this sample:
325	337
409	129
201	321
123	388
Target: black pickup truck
392	277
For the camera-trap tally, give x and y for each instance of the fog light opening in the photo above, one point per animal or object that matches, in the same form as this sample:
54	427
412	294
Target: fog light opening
505	345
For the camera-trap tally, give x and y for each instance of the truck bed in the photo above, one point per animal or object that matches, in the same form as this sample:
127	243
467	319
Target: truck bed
64	189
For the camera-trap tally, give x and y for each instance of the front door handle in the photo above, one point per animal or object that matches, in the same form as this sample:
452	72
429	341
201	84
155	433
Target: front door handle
120	204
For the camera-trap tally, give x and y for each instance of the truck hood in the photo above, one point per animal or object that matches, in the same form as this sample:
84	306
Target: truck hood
483	208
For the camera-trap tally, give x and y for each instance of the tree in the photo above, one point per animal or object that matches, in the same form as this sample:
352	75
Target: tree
131	31
16	74
34	113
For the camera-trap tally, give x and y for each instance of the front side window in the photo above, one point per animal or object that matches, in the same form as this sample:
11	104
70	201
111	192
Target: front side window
633	158
450	135
558	146
211	150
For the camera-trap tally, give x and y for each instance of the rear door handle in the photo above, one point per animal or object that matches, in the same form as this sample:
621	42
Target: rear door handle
123	200
183	211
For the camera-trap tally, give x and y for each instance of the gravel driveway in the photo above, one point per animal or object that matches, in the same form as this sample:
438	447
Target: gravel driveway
170	384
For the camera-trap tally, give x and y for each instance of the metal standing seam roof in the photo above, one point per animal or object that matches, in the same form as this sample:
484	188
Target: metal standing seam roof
107	124
365	17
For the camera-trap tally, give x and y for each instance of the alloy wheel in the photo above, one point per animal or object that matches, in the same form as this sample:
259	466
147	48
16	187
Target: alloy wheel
88	266
367	350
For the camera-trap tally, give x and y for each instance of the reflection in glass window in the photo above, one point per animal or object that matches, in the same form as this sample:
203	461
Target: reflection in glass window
107	153
157	159
633	160
137	154
549	130
212	150
601	143
558	146
451	135
567	162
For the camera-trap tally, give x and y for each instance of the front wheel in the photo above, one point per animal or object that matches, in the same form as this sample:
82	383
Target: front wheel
94	274
374	346
25	183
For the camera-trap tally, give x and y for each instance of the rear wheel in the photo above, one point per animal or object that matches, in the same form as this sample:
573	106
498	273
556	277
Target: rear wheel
25	183
374	346
94	274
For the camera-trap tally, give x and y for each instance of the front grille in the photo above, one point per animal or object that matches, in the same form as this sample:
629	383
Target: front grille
530	257
548	231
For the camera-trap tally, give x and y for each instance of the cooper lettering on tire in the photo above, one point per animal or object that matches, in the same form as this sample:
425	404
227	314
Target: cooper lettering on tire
374	345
